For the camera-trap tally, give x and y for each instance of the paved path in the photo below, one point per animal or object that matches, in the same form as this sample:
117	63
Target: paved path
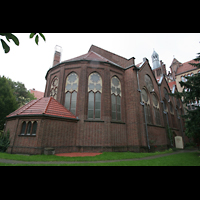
105	161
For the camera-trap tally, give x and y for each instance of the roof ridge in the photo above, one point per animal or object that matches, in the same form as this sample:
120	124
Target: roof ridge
47	105
107	60
107	51
59	104
99	55
86	55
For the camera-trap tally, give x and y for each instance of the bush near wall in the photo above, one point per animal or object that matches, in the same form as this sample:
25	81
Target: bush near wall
4	140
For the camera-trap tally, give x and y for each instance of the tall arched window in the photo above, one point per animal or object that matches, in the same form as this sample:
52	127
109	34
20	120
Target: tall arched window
34	128
23	128
171	108
166	94
71	89
54	88
116	98
146	102
156	110
94	96
149	83
29	128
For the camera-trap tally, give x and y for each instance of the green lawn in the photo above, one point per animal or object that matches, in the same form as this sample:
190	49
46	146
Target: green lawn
182	159
103	156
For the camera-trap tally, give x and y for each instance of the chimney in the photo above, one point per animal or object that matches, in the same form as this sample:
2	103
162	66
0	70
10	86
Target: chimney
57	55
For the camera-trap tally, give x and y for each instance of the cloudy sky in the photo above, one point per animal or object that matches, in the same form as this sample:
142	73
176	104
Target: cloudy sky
28	63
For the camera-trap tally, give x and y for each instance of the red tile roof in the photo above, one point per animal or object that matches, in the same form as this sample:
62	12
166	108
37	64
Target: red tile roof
184	67
36	93
171	84
44	105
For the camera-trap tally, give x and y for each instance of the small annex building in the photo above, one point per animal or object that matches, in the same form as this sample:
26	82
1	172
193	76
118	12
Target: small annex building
38	124
98	102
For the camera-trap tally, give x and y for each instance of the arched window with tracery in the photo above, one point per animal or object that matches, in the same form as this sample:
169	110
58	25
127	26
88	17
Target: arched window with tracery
71	90
146	102
94	96
116	98
149	83
166	94
54	87
156	109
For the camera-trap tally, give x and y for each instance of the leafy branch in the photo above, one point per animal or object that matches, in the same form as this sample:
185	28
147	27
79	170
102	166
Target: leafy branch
10	36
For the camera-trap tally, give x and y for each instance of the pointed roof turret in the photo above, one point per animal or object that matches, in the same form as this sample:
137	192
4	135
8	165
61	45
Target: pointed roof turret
155	59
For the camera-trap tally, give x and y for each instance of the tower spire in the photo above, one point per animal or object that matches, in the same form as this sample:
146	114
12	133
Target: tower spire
155	60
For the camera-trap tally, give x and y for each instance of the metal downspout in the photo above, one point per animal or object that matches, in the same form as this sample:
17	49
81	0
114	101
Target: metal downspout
146	129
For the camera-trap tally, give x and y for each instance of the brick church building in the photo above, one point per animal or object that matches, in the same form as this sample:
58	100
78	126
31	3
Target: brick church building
98	102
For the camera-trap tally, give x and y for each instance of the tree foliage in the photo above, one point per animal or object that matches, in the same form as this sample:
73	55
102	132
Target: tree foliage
4	141
8	102
12	96
191	94
22	95
10	36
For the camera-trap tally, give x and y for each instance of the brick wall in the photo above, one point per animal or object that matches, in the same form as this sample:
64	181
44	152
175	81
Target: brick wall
105	135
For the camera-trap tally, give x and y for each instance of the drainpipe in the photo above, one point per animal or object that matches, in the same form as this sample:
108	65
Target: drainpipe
145	119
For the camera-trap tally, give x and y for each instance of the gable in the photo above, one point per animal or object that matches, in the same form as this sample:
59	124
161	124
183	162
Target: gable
146	66
119	60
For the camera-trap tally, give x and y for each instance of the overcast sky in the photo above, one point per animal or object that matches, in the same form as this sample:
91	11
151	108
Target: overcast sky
28	62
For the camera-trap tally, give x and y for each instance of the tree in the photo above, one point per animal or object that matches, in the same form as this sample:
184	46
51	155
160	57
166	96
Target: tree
22	95
8	102
10	36
12	96
191	93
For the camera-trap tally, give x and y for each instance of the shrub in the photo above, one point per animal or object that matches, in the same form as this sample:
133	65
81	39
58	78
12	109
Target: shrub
4	141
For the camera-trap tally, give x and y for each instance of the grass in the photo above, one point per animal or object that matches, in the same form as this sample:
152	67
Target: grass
103	156
182	159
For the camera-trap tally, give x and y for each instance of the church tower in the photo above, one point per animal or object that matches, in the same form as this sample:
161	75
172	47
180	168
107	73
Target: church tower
155	60
159	68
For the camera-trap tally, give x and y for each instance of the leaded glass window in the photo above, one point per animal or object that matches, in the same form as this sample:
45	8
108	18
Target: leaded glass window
146	101
166	94
156	110
144	96
149	83
94	96
29	128
171	108
116	98
23	128
165	106
54	88
71	89
34	128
